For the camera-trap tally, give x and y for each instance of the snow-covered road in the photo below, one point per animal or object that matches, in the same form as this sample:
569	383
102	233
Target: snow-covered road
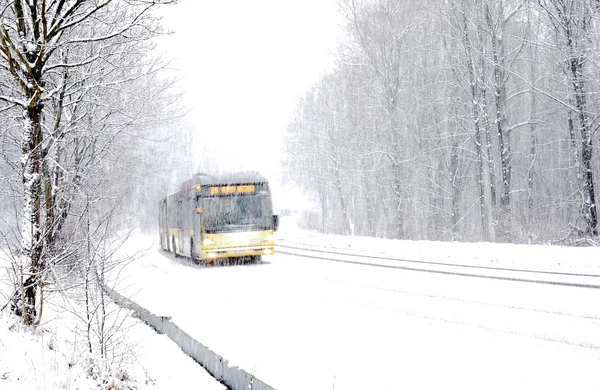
299	323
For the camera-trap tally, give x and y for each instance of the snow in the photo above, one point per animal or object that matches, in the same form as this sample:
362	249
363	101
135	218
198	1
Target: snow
550	258
52	356
298	323
301	323
41	361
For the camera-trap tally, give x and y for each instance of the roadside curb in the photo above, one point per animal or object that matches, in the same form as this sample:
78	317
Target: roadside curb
232	376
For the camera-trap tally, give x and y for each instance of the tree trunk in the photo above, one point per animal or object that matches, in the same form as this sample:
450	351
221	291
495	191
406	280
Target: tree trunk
31	224
588	206
485	228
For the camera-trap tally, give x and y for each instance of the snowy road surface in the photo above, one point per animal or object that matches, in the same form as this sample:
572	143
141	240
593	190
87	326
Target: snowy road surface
299	323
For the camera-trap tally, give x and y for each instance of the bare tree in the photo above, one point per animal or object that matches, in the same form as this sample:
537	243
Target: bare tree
48	48
380	30
468	120
573	24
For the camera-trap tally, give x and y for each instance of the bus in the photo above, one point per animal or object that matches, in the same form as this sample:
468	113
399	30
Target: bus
216	218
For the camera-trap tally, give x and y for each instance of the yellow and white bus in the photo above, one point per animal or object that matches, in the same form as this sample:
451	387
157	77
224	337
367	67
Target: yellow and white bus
218	217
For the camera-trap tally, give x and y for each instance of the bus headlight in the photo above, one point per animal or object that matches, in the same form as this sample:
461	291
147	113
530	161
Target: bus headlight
208	242
269	238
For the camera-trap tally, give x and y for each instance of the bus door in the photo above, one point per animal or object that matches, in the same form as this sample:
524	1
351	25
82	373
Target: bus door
179	229
197	228
163	227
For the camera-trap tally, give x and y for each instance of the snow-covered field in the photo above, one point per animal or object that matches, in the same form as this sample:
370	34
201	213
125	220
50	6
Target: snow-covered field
524	257
54	355
44	361
299	323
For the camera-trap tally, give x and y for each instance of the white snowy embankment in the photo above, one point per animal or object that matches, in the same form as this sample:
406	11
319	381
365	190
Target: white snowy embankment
551	258
54	355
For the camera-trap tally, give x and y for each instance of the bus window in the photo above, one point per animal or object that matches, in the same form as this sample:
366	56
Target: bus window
227	213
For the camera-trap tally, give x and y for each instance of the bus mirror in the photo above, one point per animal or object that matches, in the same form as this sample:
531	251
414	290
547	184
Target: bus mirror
275	222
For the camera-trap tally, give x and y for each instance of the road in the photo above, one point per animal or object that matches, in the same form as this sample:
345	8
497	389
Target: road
300	323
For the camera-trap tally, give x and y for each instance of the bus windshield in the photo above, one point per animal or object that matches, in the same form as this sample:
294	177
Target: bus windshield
242	212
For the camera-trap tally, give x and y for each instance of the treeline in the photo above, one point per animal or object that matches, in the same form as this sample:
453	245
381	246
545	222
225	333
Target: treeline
90	136
455	120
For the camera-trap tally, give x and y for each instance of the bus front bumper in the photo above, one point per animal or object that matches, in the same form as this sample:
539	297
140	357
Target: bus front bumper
213	254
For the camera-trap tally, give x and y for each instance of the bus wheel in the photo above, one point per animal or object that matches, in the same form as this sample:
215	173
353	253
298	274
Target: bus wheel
173	247
192	250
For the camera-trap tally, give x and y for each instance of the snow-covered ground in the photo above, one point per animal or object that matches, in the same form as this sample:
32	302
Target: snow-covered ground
44	361
299	323
54	355
524	257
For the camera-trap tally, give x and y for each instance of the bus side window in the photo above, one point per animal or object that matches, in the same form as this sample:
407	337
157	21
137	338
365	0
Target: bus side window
179	216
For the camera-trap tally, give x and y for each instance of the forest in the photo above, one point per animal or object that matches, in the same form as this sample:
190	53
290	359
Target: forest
470	120
89	121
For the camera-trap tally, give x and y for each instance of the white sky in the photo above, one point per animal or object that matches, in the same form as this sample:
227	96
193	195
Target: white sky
244	65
